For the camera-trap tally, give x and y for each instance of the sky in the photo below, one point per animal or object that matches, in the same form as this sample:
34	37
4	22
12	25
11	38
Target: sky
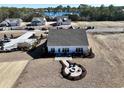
45	5
36	5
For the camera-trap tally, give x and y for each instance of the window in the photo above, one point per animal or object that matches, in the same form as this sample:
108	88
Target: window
59	50
79	50
52	50
65	50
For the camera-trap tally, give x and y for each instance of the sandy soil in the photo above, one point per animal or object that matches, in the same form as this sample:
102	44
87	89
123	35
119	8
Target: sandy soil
9	72
17	33
100	24
8	33
105	70
14	56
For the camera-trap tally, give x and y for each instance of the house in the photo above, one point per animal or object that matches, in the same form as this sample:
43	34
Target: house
38	21
67	41
24	40
63	20
11	22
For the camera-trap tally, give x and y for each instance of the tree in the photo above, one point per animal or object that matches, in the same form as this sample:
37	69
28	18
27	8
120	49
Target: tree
68	8
74	17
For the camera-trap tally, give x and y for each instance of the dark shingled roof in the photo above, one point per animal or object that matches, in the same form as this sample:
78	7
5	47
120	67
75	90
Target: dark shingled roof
67	37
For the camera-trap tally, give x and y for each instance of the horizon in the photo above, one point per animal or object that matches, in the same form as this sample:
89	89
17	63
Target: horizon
36	5
48	5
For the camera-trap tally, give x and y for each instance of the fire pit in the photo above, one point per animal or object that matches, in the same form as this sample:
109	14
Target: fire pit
72	71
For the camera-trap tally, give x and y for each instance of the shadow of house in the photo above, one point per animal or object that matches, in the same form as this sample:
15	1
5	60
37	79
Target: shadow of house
39	52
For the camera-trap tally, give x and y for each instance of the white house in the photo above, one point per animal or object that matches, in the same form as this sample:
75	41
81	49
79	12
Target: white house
38	21
12	22
67	41
63	20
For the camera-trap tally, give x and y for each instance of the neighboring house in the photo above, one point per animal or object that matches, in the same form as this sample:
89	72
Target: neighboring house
67	41
24	39
3	24
63	20
11	22
38	21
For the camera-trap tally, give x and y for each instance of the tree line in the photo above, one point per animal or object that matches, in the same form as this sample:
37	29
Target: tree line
102	13
86	12
26	14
